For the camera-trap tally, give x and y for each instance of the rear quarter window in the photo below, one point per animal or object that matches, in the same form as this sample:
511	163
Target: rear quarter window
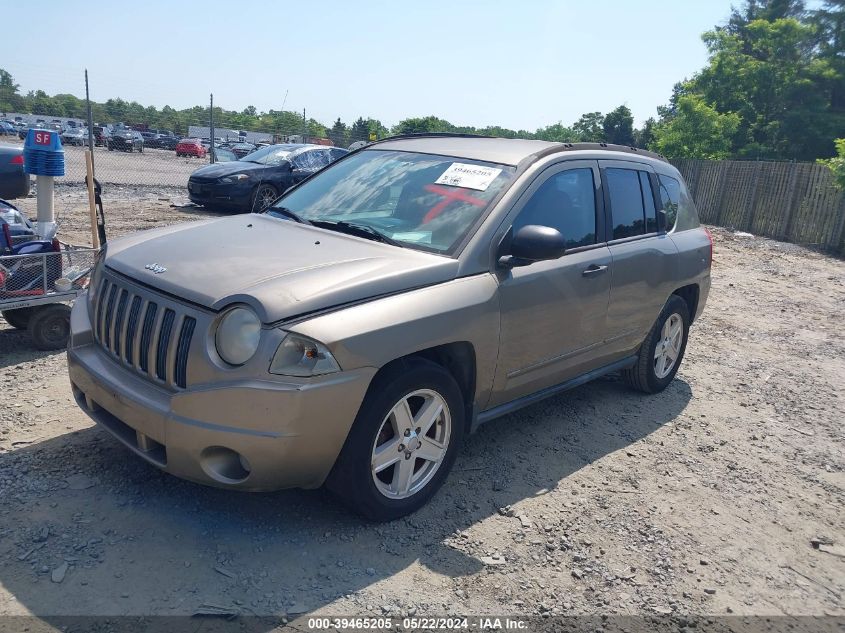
678	206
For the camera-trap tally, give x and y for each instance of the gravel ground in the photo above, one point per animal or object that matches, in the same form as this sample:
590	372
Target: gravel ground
723	494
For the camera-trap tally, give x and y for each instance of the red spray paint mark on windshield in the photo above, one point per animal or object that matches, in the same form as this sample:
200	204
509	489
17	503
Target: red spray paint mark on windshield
449	196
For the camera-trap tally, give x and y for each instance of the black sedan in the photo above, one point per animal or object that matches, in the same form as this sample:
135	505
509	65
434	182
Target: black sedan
126	141
14	182
256	180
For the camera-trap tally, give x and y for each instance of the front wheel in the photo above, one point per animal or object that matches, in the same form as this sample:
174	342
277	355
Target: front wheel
403	442
265	195
662	350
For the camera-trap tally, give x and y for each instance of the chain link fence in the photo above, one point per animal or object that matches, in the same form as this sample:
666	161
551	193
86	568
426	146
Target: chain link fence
150	147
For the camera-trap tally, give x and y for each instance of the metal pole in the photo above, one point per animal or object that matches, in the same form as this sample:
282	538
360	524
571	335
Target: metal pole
211	124
90	123
92	204
46	218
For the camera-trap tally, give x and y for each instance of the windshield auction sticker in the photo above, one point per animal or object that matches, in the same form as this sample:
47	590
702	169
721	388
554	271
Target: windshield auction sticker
468	176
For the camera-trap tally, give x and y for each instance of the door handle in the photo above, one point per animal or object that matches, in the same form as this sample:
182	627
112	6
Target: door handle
593	269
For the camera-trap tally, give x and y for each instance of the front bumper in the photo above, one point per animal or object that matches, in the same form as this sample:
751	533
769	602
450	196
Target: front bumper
288	434
229	195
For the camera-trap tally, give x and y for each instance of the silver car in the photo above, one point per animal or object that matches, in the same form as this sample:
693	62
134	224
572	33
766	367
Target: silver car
354	333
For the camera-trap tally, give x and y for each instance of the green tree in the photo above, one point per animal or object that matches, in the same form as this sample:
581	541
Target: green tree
696	131
423	125
618	126
837	164
360	130
644	137
829	22
590	127
557	132
339	135
10	100
772	75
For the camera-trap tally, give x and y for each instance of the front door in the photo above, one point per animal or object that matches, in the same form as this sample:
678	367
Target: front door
553	312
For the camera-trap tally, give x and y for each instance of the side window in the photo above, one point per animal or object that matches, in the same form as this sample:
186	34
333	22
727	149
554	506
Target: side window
648	203
337	153
566	201
320	158
626	202
303	161
670	196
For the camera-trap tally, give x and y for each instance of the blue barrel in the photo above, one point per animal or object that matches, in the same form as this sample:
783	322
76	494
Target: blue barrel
43	154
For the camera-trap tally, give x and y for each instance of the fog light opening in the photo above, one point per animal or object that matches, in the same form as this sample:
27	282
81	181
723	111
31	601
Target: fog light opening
224	465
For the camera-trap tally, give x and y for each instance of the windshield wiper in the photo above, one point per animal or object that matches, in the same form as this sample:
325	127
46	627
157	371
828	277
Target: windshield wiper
288	214
358	230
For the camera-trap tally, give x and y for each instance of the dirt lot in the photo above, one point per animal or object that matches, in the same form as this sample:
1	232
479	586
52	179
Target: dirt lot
704	499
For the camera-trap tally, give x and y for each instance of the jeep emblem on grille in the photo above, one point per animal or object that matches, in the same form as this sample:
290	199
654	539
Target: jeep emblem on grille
156	268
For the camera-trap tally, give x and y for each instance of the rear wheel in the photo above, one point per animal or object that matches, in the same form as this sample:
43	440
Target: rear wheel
403	442
49	326
662	350
18	318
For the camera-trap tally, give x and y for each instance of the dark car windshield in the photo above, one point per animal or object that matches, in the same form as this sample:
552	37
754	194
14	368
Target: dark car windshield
423	201
272	155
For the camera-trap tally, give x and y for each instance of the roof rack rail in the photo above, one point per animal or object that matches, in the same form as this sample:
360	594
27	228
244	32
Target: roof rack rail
611	147
553	149
397	137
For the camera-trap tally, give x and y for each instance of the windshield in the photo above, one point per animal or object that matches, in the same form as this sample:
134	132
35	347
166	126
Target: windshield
423	201
271	155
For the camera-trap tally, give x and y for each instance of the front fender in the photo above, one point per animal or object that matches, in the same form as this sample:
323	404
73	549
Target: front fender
380	331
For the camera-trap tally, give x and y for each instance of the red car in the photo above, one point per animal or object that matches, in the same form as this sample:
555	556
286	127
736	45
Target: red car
191	147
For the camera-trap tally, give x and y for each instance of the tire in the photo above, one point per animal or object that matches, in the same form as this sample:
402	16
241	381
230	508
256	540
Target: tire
263	197
111	149
18	318
649	374
387	495
49	326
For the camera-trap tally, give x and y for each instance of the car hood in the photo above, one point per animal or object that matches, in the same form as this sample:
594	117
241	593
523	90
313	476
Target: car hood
218	170
280	268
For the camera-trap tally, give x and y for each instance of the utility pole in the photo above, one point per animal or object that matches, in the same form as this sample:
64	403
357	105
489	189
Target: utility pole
304	127
211	124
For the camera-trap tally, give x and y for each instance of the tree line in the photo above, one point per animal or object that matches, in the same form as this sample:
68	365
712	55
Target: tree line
773	88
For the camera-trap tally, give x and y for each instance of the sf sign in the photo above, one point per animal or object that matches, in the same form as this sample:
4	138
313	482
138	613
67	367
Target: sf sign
43	138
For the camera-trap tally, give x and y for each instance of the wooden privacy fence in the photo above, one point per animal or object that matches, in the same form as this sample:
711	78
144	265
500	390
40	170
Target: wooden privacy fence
795	202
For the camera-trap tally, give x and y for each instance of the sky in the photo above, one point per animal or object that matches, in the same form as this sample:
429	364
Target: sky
521	64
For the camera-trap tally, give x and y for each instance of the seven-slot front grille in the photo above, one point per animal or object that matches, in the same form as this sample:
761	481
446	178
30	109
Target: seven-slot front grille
152	338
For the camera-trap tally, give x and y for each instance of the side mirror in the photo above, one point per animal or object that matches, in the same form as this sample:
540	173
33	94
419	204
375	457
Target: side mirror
533	243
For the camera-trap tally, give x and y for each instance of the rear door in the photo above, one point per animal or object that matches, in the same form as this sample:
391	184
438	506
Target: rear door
643	256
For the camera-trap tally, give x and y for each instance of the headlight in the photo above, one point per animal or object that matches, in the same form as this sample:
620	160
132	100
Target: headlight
235	178
237	336
300	356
